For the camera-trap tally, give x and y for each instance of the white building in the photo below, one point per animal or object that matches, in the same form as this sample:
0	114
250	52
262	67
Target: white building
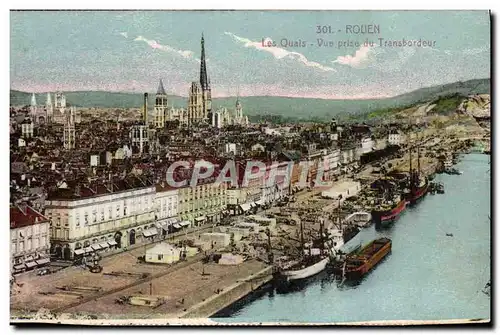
396	138
139	137
167	207
367	145
27	128
331	163
100	217
29	238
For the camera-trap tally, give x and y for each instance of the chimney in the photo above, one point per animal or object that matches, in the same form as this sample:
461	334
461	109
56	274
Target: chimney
110	182
53	166
145	110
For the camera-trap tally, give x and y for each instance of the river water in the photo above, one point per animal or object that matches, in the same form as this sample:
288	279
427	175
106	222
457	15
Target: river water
428	275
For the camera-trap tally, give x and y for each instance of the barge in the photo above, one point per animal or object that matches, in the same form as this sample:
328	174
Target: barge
357	265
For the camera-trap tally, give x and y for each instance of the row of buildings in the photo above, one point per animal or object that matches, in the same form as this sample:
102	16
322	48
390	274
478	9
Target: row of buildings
82	184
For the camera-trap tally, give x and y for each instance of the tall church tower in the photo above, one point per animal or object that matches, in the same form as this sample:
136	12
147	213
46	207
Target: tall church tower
69	131
49	108
33	107
195	104
205	84
161	106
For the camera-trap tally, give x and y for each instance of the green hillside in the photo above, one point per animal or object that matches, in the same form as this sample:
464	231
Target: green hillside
266	106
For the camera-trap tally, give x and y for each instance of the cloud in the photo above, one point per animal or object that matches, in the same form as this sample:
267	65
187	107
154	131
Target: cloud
124	34
475	51
361	59
279	53
188	54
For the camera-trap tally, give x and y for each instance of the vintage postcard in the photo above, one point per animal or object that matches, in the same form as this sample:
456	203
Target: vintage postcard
250	167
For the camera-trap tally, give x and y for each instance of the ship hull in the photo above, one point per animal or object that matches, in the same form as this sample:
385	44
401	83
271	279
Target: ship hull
388	217
418	195
294	275
369	263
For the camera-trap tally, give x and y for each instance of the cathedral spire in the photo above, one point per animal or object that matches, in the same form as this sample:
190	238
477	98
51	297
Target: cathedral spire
33	100
203	67
161	89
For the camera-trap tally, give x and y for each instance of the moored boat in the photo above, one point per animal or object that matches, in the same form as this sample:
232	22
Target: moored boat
311	261
360	219
356	266
389	210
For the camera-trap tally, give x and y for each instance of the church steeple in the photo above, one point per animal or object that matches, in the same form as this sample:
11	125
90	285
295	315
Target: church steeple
203	67
33	100
161	89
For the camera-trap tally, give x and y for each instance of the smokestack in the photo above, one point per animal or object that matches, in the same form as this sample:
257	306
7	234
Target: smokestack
145	111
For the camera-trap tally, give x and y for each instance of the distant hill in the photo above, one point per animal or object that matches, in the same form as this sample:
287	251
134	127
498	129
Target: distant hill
296	108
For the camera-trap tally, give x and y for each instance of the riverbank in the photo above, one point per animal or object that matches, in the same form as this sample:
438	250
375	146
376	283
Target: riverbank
429	276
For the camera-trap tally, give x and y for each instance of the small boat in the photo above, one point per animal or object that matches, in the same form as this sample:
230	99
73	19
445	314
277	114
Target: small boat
360	219
356	266
449	234
487	288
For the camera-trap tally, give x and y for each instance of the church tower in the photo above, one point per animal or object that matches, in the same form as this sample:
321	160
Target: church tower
161	106
49	109
195	104
69	131
205	84
33	107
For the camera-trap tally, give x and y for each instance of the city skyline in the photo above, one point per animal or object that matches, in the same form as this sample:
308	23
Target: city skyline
130	51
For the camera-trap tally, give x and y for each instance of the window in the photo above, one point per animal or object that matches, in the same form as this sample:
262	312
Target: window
102	214
117	211
94	216
160	257
13	248
77	220
86	218
110	212
21	246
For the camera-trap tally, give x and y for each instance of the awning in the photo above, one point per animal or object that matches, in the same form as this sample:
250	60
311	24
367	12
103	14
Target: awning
19	266
79	251
43	261
112	242
28	258
31	264
253	204
96	246
260	202
150	232
176	225
200	218
104	245
185	223
173	220
245	207
88	249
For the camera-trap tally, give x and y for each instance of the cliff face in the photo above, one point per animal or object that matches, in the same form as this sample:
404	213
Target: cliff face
477	105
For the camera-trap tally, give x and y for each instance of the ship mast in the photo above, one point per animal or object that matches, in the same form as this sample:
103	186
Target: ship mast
321	248
270	251
301	238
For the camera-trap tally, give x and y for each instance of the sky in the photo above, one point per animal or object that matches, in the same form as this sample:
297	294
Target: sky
250	53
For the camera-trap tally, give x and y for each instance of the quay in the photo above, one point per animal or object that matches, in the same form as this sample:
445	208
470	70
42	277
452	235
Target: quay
187	290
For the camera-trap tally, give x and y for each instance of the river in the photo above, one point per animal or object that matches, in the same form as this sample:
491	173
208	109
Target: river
428	275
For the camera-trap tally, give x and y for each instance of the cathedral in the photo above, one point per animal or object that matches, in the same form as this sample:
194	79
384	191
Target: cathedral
199	105
58	112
